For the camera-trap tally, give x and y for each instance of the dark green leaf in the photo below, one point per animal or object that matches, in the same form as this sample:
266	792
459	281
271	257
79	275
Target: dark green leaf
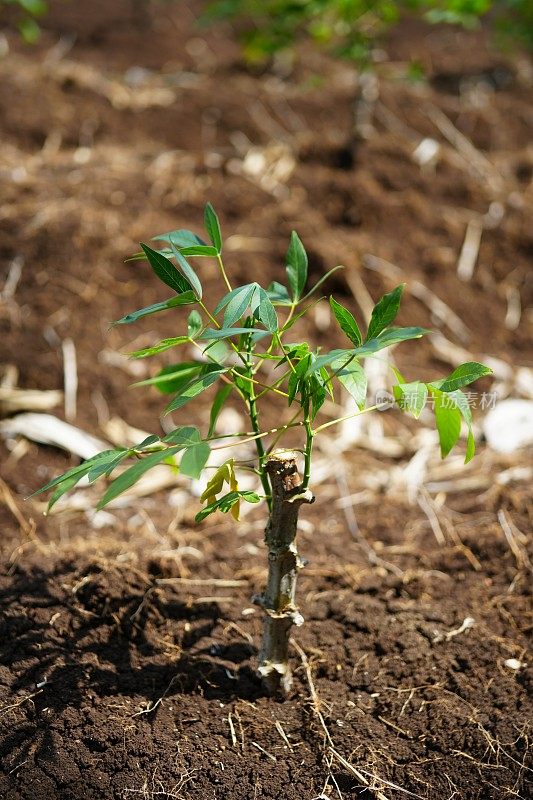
179	300
194	324
190	275
172	378
197	386
347	322
194	460
212	226
160	347
353	378
166	271
296	261
463	375
385	312
134	473
218	403
226	503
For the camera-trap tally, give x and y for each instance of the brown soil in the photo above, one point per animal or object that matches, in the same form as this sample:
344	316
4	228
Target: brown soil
114	684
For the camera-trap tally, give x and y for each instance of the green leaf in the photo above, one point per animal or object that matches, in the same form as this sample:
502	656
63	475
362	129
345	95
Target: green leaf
194	324
448	421
160	347
226	503
385	312
180	300
278	294
134	473
347	322
388	338
463	375
217	406
353	378
226	333
166	271
238	304
470	447
411	397
172	378
188	272
107	467
181	238
194	460
263	309
212	226
318	395
326	359
197	386
184	436
199	250
78	472
296	262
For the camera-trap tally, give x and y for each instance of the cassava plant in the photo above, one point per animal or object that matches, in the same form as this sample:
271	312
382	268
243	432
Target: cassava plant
244	350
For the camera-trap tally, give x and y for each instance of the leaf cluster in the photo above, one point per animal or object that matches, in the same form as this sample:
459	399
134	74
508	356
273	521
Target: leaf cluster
241	349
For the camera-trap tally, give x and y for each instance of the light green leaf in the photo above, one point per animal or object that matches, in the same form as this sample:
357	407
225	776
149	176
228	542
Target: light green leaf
385	312
134	473
353	378
194	460
184	436
181	238
160	347
226	503
205	251
411	397
166	271
278	294
212	226
347	322
179	300
194	324
448	421
463	375
296	261
226	333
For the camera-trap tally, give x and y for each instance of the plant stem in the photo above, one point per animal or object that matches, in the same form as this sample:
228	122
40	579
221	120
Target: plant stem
278	599
309	436
223	271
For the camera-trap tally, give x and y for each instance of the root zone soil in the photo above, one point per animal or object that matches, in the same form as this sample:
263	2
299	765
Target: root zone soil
127	652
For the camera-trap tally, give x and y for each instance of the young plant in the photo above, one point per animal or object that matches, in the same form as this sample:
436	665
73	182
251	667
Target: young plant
245	351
